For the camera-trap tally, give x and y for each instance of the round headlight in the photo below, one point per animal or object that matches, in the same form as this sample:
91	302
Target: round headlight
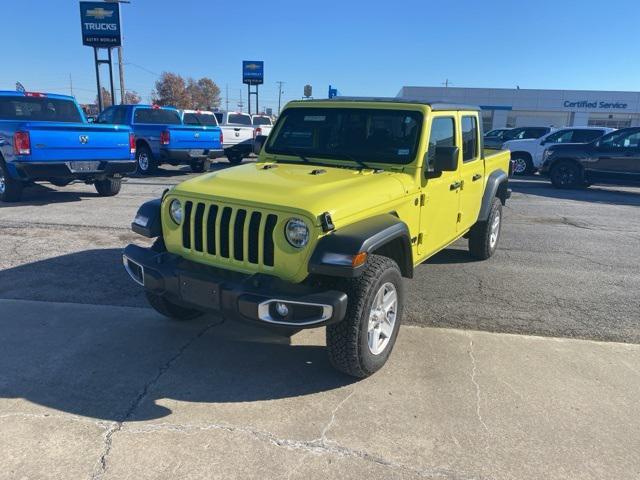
175	211
297	232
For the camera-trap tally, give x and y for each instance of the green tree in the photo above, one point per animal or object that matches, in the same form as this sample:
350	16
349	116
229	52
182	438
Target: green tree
131	97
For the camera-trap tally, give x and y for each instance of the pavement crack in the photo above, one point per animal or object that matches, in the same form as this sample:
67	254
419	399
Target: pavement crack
327	427
137	401
316	447
476	385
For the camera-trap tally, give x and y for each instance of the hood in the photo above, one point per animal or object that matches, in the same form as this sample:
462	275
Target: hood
312	189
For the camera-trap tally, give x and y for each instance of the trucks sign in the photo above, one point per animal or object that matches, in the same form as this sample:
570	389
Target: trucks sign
100	24
252	72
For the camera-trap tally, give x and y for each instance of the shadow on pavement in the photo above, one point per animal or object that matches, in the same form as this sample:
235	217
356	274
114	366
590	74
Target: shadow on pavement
119	364
41	194
611	194
88	277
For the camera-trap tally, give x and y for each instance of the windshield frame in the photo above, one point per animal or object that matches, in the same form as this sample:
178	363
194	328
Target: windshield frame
351	158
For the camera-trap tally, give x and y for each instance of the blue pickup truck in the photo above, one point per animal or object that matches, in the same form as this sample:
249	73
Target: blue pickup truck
161	137
45	137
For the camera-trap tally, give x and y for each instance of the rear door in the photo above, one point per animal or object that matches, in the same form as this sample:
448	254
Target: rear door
441	192
471	172
618	157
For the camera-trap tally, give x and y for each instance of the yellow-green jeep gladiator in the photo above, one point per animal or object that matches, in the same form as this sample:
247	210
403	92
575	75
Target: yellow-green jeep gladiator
347	197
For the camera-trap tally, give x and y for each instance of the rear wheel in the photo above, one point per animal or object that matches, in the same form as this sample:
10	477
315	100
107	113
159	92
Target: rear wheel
566	174
234	158
10	189
199	166
360	344
484	236
108	187
145	163
522	165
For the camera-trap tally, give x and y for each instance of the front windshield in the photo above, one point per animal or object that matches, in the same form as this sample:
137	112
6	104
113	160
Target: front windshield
375	135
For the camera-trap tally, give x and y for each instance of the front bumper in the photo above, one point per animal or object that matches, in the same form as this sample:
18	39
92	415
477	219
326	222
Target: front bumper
186	155
245	297
65	170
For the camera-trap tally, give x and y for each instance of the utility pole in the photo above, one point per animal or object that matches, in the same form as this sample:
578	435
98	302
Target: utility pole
240	104
227	96
120	60
71	85
280	83
446	83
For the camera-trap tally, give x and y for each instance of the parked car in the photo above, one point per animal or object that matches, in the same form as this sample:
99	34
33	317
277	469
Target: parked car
262	124
45	137
527	154
613	158
494	138
161	137
519	133
238	135
346	199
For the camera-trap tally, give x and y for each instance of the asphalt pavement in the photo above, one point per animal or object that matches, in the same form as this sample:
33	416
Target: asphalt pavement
523	366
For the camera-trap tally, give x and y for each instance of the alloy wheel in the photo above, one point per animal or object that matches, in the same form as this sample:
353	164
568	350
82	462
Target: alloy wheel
382	318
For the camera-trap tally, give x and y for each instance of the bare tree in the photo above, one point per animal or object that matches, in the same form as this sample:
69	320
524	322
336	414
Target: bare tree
131	97
171	90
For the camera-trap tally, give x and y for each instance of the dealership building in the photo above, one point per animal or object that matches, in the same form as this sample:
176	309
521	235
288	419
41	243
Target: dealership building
505	107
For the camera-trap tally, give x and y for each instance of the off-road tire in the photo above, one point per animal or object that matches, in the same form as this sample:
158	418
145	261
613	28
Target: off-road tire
169	309
566	174
481	245
151	164
528	169
199	166
10	189
347	342
108	187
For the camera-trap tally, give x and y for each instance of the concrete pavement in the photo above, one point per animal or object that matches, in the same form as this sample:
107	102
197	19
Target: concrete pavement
118	392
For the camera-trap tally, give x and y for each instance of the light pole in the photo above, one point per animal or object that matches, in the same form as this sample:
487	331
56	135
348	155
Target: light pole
280	83
120	60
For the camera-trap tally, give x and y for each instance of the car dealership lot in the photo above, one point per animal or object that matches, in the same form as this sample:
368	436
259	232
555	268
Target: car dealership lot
96	384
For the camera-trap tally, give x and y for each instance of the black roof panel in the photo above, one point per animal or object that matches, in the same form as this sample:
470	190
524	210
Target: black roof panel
435	105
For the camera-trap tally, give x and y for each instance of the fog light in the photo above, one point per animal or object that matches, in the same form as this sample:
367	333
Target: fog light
282	309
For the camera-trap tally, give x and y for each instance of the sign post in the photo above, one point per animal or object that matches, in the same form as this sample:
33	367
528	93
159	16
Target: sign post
253	74
100	23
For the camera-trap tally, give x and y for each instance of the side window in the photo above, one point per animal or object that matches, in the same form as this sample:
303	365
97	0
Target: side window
106	116
119	118
443	134
563	136
620	140
469	138
586	136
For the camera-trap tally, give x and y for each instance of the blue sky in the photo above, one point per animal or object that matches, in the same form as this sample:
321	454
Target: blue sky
362	47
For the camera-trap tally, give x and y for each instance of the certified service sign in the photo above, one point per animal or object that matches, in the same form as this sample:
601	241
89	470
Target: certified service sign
100	24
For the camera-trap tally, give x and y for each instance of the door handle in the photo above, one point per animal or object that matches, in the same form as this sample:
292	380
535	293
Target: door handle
476	177
455	185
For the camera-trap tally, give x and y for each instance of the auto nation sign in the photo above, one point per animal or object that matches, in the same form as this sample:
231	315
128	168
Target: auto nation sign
100	24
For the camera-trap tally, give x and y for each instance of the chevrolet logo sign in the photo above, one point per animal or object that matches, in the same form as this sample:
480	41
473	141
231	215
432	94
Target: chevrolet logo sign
99	13
252	66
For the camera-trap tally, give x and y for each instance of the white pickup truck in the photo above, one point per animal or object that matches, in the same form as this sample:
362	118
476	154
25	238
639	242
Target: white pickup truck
238	131
262	124
527	154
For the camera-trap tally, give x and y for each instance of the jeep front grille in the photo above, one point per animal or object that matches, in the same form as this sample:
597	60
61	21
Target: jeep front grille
229	233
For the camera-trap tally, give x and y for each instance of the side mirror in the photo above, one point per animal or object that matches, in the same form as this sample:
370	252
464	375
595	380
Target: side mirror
446	159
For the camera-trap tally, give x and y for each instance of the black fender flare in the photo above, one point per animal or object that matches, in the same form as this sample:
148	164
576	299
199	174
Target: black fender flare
497	186
148	222
143	142
369	235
